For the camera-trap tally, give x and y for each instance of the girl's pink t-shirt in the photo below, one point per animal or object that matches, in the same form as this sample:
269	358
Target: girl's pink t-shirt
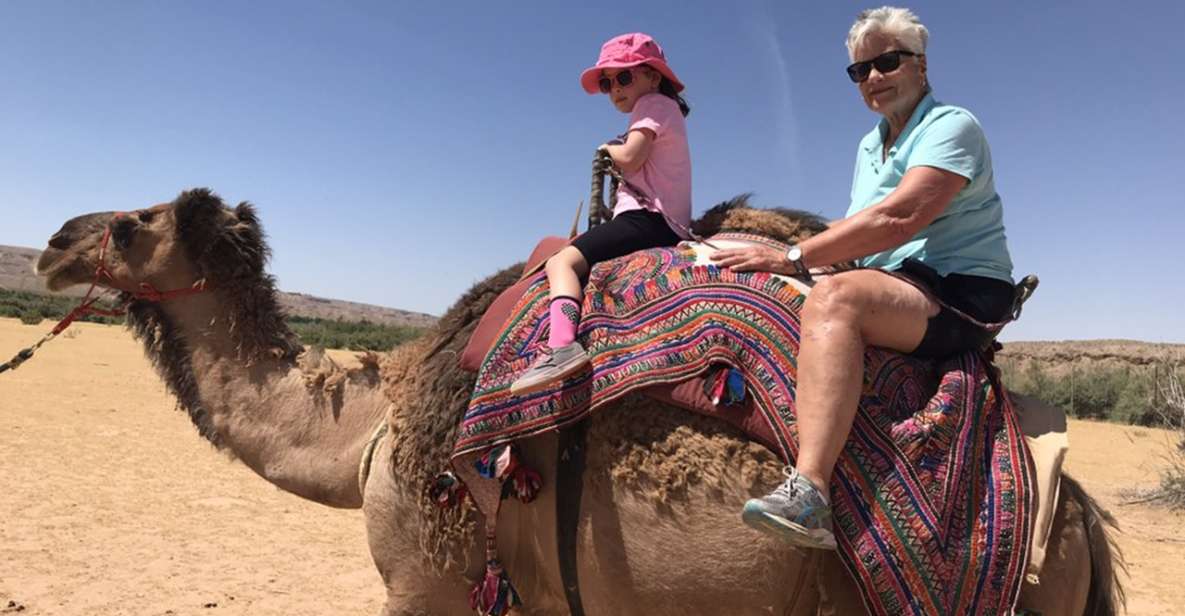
665	176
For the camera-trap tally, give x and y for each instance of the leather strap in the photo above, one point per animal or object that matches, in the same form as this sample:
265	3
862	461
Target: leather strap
569	487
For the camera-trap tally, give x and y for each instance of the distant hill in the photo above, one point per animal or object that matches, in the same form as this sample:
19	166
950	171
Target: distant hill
1058	358
16	269
16	274
303	305
1131	352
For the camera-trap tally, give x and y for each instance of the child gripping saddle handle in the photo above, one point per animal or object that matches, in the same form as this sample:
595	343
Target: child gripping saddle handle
598	213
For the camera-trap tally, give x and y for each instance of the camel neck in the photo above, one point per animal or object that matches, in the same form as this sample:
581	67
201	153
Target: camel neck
300	434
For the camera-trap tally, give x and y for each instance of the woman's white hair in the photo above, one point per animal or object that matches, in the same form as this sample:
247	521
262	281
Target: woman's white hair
897	23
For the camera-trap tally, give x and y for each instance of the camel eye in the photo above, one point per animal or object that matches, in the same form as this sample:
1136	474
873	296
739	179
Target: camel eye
122	233
146	216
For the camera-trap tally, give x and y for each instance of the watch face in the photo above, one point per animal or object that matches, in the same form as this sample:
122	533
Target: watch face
794	254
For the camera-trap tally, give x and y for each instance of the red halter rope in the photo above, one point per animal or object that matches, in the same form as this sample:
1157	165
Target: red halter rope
145	291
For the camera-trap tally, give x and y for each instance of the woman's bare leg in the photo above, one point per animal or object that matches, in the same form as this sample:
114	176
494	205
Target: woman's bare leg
843	314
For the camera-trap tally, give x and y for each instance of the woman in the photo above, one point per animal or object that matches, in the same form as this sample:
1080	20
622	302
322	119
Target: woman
924	205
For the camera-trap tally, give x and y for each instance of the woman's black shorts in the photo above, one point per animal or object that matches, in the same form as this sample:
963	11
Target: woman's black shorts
987	299
627	232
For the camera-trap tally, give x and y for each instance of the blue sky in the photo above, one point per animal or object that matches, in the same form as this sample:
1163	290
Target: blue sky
400	152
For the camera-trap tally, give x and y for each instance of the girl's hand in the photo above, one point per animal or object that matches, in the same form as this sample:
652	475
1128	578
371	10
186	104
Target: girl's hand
604	147
753	259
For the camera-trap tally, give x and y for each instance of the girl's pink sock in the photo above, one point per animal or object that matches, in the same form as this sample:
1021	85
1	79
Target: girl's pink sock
565	318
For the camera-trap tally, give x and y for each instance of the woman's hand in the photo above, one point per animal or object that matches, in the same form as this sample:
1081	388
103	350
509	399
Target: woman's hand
753	259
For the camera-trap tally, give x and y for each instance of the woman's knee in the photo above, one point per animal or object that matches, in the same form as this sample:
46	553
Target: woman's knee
833	297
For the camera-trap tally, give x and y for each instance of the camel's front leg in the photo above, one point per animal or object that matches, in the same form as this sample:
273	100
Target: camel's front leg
392	526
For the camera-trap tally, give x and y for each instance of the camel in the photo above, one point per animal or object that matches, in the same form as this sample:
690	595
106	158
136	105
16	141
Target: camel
659	528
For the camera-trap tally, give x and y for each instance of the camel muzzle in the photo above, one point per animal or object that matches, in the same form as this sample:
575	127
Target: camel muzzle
60	243
77	227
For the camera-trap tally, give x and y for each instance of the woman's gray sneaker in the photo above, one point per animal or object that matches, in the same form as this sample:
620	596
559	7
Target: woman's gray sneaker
795	511
552	365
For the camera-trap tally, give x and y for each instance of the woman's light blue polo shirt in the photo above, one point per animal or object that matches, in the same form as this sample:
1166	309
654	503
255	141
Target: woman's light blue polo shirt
968	237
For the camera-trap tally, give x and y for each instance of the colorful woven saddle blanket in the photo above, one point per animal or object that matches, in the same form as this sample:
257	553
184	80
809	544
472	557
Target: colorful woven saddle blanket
932	494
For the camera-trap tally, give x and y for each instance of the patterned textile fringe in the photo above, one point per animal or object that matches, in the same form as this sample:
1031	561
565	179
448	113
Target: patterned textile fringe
494	595
447	490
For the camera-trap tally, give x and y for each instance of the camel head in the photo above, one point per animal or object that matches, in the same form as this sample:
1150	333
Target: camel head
171	246
168	246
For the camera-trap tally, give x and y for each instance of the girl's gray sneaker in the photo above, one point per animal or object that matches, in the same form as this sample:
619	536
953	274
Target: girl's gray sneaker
795	511
552	365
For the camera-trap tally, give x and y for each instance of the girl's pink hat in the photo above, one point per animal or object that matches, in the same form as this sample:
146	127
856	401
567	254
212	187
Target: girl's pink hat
625	51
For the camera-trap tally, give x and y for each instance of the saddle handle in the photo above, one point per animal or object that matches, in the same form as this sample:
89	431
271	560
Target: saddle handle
602	165
1024	290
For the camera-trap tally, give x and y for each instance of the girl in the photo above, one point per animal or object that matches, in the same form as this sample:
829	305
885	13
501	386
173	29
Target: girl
653	204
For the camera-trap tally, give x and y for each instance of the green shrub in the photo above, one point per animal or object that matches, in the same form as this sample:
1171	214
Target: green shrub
23	304
354	335
31	308
1125	394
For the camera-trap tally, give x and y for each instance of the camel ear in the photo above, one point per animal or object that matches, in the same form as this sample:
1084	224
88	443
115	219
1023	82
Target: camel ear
245	237
245	212
224	245
196	212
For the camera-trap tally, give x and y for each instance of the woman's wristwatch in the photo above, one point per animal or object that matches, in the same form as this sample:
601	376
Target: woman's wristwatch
795	257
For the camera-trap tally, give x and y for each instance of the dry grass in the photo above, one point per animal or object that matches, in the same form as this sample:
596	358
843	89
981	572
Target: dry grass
1172	479
1171	491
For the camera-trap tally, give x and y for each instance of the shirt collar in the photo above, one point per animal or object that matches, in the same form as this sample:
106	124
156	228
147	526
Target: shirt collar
882	128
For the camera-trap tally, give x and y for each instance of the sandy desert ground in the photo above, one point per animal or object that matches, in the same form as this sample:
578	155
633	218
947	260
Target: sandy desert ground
110	504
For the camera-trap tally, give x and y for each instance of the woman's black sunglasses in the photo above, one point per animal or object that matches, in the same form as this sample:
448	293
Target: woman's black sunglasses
885	63
624	79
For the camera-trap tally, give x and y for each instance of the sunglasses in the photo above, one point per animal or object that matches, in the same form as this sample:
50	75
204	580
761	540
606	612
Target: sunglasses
624	79
885	63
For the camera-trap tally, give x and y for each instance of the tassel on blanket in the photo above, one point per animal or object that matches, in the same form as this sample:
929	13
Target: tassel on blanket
736	387
494	595
497	463
503	464
447	490
525	483
724	385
